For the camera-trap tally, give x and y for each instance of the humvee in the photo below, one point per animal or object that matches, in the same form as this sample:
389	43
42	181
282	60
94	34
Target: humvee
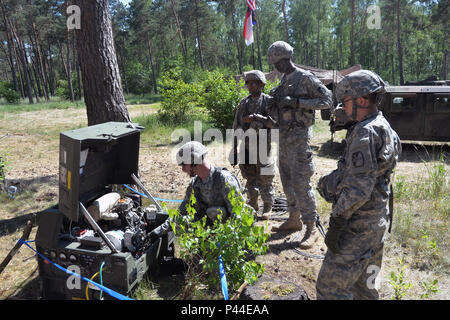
418	111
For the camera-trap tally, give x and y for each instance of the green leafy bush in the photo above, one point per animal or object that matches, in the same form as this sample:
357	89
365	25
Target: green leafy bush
236	240
179	99
221	97
139	78
62	88
7	91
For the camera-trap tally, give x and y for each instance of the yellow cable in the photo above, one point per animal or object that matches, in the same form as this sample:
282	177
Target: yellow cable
87	286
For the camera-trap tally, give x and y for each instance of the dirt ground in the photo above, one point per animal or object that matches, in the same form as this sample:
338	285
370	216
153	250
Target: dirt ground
30	143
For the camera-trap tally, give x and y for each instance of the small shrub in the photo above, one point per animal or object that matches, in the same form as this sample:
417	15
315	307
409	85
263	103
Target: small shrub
221	97
236	240
7	91
398	282
179	99
430	288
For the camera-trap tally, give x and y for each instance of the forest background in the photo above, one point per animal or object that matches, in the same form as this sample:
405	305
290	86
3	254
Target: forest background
38	56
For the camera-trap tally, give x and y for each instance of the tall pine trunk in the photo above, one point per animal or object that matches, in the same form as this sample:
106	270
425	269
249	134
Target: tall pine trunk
286	30
199	43
399	45
102	85
180	35
352	35
150	54
23	59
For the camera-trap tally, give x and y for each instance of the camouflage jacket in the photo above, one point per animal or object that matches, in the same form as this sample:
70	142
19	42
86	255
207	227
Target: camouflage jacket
246	107
373	149
311	94
212	192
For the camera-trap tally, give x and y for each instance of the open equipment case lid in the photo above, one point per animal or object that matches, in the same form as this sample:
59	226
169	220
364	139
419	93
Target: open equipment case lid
93	158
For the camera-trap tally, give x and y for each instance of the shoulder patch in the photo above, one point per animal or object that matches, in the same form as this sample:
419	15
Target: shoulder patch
358	159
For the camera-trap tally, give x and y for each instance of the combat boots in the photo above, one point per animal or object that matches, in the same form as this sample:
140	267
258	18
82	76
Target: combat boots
267	211
253	202
293	223
310	237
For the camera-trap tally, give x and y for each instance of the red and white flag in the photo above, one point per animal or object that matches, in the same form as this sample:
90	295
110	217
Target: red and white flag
249	22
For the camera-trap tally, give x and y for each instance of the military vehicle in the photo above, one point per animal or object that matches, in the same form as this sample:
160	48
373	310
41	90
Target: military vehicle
100	228
417	111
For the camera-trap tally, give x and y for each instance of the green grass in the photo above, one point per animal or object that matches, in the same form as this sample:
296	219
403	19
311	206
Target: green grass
24	106
146	98
421	211
59	103
158	133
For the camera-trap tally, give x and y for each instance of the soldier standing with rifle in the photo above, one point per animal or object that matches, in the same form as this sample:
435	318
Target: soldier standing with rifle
255	158
359	192
295	100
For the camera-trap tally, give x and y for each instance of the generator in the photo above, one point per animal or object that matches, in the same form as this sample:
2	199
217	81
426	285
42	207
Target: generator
100	228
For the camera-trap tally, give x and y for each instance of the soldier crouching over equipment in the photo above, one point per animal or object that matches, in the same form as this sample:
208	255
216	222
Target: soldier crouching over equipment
210	185
256	166
297	97
359	191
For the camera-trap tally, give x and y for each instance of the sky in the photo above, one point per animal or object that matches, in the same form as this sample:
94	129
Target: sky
125	2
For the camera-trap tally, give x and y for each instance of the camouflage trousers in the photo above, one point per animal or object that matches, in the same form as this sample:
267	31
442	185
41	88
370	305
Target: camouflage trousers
258	182
296	168
349	277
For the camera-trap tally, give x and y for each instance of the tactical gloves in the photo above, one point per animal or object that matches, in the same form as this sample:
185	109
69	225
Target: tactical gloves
337	224
288	102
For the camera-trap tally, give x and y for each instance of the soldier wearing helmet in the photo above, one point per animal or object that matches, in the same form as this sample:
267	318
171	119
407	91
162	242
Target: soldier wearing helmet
252	127
210	185
359	192
295	100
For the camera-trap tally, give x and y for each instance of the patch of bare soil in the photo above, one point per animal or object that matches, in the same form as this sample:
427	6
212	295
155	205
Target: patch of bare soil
32	151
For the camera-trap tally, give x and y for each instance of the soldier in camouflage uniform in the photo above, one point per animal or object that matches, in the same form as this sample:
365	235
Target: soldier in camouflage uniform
297	97
255	158
359	192
211	186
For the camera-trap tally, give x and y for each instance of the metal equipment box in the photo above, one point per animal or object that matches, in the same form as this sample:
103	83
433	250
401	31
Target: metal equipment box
96	162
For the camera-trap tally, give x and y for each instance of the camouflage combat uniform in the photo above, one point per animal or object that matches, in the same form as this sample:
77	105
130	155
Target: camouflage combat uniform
212	193
359	191
259	172
295	155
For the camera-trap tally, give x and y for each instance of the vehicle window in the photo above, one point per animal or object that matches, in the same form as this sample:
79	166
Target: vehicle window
441	103
403	104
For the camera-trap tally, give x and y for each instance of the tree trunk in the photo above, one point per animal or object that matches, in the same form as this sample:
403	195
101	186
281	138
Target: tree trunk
61	55
23	59
78	69
102	85
180	35
40	63
10	43
235	36
399	46
69	65
444	62
318	37
258	42
352	36
149	46
199	43
286	30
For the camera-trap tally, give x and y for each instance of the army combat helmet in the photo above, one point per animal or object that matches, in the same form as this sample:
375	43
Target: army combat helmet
360	83
279	50
255	75
192	152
